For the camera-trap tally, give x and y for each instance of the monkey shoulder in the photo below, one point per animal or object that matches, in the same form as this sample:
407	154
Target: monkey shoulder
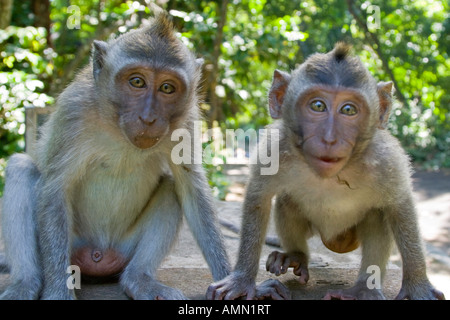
387	158
73	107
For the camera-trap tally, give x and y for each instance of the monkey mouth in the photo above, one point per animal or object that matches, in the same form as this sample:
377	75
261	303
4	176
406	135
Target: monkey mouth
143	142
329	160
327	166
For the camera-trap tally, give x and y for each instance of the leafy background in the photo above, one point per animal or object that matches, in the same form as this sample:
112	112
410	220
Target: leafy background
242	42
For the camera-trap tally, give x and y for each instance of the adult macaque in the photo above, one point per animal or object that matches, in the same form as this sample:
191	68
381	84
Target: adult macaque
102	192
342	175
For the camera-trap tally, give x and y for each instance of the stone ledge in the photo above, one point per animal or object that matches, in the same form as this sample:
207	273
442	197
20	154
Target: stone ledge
194	282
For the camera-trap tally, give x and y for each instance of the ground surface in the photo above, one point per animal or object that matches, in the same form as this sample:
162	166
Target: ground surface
186	269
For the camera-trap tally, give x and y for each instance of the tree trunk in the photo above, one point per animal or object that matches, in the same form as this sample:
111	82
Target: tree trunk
41	10
214	111
6	7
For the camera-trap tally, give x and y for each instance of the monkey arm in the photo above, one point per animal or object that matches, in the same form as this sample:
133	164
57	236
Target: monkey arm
415	284
53	224
197	204
241	282
255	220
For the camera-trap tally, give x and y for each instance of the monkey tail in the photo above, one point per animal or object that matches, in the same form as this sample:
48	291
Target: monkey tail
270	240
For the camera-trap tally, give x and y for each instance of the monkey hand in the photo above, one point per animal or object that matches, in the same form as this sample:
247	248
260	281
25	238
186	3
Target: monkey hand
234	286
279	262
423	290
272	289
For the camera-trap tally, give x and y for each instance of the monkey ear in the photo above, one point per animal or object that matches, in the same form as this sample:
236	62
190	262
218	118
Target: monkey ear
199	63
384	90
98	57
277	91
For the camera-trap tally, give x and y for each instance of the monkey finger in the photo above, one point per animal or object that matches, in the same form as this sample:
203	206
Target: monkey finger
281	264
213	292
338	295
220	293
282	290
286	264
271	294
438	294
272	289
278	263
271	259
303	274
250	293
210	292
234	294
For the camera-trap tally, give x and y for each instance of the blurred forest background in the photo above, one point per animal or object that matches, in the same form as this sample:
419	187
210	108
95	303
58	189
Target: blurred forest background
44	42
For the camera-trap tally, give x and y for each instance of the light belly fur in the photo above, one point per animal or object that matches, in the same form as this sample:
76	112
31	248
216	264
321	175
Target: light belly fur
102	215
330	206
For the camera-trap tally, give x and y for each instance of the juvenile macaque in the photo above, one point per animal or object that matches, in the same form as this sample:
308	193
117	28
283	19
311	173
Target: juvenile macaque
342	176
102	192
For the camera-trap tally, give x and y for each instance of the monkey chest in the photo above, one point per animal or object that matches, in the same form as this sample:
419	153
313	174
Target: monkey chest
106	202
333	208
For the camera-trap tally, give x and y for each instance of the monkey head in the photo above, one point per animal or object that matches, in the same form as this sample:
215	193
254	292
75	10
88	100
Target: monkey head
332	106
148	78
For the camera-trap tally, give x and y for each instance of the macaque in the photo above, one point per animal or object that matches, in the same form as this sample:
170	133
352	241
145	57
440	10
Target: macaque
102	192
342	176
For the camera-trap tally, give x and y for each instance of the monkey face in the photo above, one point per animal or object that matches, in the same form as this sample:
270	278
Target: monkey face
148	100
330	121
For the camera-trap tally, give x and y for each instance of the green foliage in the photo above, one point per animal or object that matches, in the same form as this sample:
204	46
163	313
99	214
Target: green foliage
217	180
409	46
24	69
415	34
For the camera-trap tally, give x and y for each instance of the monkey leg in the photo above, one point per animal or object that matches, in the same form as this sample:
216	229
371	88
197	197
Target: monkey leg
376	239
158	230
293	231
19	228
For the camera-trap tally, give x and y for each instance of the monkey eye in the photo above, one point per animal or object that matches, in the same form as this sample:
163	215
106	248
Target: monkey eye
348	109
167	88
137	82
318	106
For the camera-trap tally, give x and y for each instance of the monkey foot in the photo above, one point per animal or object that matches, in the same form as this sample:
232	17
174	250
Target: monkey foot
279	262
146	288
422	290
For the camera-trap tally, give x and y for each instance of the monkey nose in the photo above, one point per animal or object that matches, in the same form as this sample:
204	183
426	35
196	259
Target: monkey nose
148	121
329	138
